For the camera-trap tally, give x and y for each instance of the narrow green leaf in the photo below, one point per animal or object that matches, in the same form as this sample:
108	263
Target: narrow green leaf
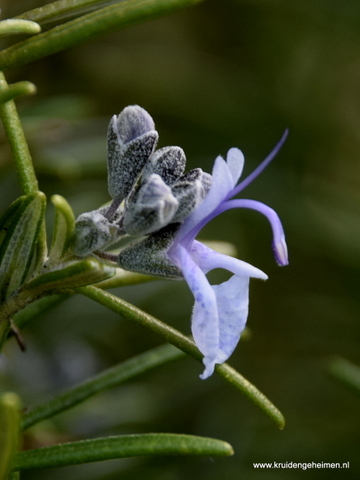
19	241
346	372
63	228
120	447
74	274
61	9
180	341
14	26
84	28
17	90
7	218
109	378
18	144
9	431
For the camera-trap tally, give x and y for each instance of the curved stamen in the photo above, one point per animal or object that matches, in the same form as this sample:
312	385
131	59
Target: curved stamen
279	243
260	168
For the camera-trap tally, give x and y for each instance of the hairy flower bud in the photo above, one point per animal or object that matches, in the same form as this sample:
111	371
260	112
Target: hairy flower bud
168	162
189	191
92	232
150	208
132	138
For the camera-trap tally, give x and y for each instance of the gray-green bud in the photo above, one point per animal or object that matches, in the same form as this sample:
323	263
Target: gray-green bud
132	138
168	162
92	232
150	208
149	256
190	190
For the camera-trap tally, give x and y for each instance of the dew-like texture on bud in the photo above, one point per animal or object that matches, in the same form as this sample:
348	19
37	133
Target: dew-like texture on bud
149	256
150	208
132	138
92	232
168	162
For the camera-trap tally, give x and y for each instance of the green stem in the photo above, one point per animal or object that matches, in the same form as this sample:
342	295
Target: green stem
5	325
84	28
110	378
180	341
18	144
13	305
99	449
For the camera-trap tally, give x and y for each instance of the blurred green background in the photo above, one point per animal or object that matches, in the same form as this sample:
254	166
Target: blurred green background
222	74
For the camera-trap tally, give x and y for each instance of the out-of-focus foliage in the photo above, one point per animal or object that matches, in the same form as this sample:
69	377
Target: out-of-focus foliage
222	74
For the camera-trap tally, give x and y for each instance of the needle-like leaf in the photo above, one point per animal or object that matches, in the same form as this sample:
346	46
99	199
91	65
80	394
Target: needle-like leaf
9	431
87	26
99	449
63	228
20	228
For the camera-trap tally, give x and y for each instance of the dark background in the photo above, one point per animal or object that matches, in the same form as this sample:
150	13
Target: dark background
222	74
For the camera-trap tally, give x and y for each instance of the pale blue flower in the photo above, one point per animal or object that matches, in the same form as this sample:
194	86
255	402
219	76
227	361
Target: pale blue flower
220	311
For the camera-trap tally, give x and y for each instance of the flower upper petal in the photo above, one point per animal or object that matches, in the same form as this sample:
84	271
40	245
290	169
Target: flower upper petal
235	161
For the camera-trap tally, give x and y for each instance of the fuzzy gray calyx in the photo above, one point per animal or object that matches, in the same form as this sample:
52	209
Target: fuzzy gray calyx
149	256
149	208
168	162
190	190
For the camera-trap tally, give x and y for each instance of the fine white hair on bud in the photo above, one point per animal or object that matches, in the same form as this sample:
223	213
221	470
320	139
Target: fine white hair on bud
149	256
92	232
168	162
188	194
132	138
150	208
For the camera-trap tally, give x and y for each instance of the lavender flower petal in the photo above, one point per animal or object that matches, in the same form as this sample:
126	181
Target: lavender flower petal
279	242
205	319
208	260
232	298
